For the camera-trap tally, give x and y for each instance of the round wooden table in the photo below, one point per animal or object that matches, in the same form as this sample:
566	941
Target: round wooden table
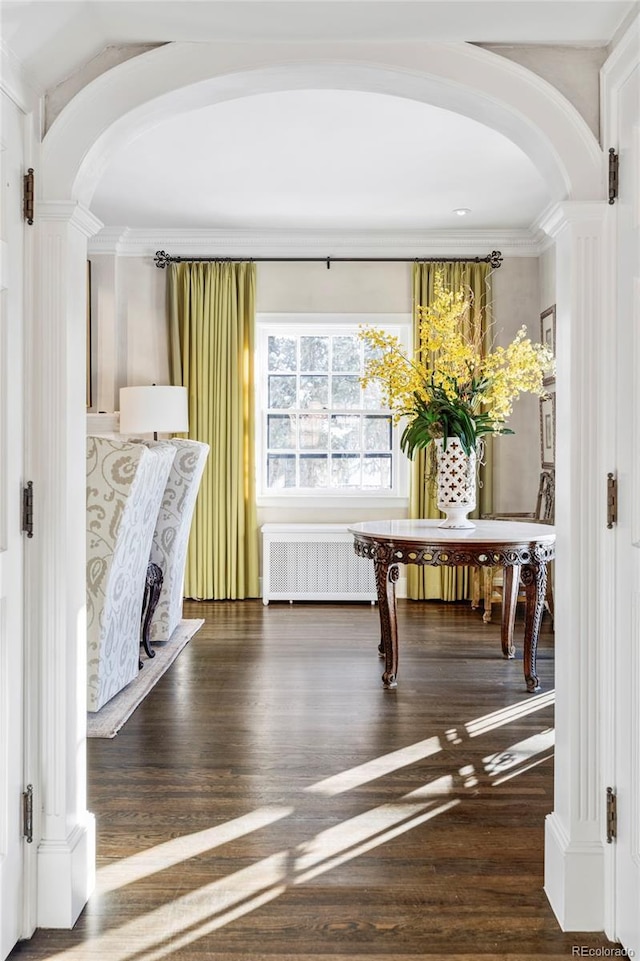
523	550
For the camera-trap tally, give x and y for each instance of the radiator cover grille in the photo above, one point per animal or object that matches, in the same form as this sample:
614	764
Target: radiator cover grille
306	562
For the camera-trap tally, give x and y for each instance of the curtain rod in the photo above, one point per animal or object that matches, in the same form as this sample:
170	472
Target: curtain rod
494	258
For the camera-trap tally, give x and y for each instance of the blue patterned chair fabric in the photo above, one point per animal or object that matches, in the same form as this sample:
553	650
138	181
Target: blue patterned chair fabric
125	486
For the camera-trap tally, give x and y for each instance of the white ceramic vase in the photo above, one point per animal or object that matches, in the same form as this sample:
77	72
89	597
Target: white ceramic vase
456	483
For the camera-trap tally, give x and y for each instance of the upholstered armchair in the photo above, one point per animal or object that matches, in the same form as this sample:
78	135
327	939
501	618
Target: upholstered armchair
171	535
125	486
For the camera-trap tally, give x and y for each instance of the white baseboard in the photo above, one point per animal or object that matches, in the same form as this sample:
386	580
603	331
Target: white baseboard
66	876
401	587
573	879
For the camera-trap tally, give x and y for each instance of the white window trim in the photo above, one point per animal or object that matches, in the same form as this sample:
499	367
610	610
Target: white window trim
398	496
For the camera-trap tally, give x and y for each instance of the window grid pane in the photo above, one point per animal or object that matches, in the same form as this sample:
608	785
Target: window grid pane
282	353
322	431
313	470
378	433
314	354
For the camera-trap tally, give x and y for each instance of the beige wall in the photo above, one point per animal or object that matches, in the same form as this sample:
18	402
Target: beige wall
130	343
129	336
547	277
573	70
345	287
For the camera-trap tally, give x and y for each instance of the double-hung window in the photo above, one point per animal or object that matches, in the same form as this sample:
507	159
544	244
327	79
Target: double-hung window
320	434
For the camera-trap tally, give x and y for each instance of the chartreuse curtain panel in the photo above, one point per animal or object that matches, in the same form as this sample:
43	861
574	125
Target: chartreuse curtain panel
211	308
448	583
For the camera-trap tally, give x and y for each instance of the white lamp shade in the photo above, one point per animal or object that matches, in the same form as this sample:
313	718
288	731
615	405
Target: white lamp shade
146	410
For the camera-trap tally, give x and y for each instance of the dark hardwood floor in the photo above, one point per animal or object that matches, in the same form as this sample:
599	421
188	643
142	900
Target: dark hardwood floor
269	800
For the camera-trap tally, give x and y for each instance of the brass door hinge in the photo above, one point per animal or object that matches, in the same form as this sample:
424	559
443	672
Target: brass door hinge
612	500
612	815
613	175
27	814
29	196
27	509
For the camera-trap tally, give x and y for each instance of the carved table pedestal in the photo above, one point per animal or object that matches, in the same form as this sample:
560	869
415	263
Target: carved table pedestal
523	550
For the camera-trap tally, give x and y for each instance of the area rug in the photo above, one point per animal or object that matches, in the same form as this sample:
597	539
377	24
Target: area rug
109	719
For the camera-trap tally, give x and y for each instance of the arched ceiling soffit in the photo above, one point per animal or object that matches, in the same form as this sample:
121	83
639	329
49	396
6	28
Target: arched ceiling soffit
141	93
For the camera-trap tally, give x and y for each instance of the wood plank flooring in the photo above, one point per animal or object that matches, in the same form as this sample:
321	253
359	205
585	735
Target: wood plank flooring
270	801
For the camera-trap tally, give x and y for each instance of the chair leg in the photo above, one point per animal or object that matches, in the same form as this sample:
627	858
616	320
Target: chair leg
153	587
487	590
475	588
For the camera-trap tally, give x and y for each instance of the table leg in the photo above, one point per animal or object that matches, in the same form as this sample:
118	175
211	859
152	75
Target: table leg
386	575
534	578
510	584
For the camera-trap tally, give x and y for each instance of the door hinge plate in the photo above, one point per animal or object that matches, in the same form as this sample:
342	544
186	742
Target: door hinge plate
612	815
612	500
27	509
613	175
27	814
28	200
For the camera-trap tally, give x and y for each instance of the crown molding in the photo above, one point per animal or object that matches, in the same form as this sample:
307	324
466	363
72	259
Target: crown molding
577	213
107	241
545	227
77	215
137	242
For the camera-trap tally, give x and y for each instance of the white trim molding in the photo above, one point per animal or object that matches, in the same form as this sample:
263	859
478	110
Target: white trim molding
615	72
66	875
574	879
70	214
574	864
620	96
133	242
117	106
15	82
99	121
66	839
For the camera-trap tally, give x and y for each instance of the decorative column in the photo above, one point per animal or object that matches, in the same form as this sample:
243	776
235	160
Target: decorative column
66	832
575	831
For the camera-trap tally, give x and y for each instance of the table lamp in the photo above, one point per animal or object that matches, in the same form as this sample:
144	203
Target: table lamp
145	410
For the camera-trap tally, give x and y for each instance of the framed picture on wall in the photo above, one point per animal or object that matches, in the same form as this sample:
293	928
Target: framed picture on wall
548	431
548	333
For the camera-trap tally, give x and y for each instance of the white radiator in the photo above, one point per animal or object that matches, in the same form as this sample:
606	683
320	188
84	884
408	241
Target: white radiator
313	562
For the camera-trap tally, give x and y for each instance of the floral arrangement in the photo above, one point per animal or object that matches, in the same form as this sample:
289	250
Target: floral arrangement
450	387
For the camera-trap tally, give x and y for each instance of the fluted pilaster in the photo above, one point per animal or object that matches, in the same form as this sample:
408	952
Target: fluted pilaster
65	862
574	859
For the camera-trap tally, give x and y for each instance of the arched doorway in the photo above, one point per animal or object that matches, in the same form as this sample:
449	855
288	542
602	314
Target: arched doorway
91	129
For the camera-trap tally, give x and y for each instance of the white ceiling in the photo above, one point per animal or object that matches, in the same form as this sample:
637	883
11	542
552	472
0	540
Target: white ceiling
323	159
316	158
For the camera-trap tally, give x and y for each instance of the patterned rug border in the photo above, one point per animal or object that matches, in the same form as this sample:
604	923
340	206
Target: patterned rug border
109	719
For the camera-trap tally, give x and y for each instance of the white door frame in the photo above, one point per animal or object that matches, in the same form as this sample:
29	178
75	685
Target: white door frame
16	87
622	899
91	129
